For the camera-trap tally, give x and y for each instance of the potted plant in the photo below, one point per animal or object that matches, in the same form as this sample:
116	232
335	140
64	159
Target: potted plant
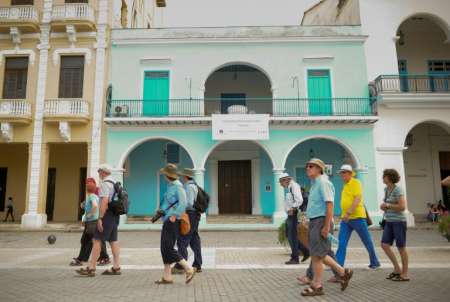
444	226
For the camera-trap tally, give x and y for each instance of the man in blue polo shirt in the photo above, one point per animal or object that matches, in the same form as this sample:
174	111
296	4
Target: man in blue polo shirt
320	215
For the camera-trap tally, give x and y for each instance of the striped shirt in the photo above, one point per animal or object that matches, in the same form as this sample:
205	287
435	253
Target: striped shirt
393	197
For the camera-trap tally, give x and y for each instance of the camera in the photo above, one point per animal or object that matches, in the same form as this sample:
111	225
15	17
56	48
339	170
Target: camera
158	214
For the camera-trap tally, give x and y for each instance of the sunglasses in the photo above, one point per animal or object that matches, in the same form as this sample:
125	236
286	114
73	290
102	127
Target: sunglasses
310	166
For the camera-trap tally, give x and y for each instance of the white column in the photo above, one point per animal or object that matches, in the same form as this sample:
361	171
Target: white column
213	181
199	176
392	158
32	218
256	198
99	87
279	214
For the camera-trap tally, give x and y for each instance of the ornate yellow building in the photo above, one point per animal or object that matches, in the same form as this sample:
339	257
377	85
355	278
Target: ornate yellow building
53	84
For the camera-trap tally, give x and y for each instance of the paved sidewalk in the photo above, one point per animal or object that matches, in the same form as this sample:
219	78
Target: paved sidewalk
239	266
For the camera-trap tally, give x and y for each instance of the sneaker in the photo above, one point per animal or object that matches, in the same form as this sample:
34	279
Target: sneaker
292	261
305	257
374	267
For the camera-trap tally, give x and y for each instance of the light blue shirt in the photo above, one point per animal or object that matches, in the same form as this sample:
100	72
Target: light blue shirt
175	192
191	194
88	205
321	192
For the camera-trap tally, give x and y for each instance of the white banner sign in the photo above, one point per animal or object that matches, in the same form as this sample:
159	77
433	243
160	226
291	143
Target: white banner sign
240	127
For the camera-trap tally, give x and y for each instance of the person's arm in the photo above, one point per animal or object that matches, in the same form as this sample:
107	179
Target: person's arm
104	200
446	182
297	196
328	219
400	206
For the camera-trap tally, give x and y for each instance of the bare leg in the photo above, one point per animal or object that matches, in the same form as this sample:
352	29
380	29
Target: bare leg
115	248
185	265
317	266
387	249
404	257
95	253
167	272
328	261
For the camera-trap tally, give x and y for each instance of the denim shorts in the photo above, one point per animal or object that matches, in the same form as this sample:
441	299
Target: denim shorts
395	230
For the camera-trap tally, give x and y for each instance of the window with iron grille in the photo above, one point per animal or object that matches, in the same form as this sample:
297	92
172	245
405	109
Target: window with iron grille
76	1
173	153
439	66
15	79
22	2
71	77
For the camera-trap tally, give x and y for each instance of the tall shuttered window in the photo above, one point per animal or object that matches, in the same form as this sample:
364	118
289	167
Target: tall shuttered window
15	80
22	2
173	153
71	77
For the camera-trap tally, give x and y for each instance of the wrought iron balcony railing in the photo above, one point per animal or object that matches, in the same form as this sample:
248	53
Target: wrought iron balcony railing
286	107
413	83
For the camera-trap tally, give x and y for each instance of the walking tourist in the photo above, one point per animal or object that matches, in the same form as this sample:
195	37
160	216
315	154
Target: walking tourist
394	206
354	217
10	209
107	225
173	206
292	202
320	215
89	220
192	239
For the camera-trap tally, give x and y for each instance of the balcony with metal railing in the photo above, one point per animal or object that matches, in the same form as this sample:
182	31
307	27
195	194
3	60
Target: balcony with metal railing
413	83
15	111
72	110
82	15
413	91
278	108
25	17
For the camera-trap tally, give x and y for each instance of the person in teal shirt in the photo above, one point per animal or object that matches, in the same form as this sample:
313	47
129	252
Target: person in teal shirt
173	205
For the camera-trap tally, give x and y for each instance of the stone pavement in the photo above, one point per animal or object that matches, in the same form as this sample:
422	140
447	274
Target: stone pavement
239	266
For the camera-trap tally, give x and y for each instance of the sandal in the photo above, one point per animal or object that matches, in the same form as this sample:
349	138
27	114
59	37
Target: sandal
76	262
334	280
86	272
190	276
304	280
345	280
163	281
112	272
399	278
103	262
392	275
312	291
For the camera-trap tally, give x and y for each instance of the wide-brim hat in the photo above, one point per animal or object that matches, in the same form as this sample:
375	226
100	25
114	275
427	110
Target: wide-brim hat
186	172
317	162
170	170
284	176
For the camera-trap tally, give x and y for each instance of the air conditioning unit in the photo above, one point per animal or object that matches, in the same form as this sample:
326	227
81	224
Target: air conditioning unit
121	111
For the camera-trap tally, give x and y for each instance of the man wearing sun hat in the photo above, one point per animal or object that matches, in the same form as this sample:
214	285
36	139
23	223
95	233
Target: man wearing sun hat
292	202
320	215
354	217
192	238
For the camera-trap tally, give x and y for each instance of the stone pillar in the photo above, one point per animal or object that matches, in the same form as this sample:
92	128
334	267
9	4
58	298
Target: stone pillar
199	176
34	216
392	158
279	215
99	86
256	196
213	181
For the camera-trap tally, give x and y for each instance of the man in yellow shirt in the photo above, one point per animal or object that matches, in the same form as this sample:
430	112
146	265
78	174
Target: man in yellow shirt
354	217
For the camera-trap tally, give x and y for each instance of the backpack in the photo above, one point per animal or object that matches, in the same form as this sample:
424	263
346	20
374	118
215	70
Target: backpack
201	203
119	204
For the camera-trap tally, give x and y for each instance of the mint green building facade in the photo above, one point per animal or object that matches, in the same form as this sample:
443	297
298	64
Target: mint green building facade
167	84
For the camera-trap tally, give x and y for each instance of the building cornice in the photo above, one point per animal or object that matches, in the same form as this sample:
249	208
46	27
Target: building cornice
415	100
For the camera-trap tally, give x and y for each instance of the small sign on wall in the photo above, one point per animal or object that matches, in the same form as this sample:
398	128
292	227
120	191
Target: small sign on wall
328	169
240	127
268	187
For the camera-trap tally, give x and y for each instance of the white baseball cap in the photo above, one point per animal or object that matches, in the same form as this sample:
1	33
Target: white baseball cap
284	176
346	168
105	168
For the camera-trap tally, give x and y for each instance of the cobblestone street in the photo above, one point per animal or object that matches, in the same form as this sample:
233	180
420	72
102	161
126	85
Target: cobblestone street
238	266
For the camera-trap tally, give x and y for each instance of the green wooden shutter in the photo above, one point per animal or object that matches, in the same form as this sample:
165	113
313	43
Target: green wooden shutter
156	93
319	92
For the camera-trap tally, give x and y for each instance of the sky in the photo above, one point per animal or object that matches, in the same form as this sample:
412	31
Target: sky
185	13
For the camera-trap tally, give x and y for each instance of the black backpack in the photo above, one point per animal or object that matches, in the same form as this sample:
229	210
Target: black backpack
119	203
201	203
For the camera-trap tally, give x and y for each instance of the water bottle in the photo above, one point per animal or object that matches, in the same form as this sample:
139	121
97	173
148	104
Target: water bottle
332	239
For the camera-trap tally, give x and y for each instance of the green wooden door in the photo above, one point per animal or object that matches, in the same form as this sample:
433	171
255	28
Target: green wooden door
156	93
319	92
